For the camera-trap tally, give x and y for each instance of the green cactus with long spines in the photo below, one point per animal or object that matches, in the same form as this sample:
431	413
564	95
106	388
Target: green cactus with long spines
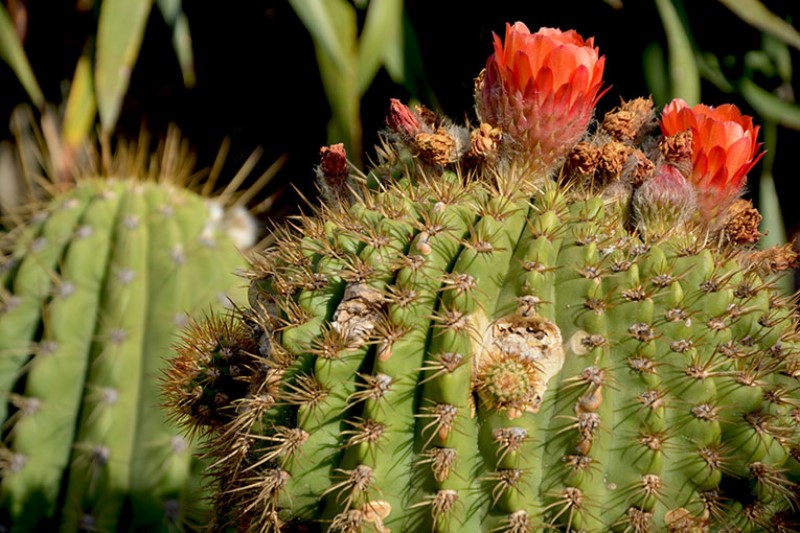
93	292
488	336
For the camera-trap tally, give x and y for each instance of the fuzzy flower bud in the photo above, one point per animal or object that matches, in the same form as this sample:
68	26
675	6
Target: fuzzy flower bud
664	202
541	89
724	149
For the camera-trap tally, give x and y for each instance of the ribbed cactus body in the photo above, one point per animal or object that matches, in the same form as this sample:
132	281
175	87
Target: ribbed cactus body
504	354
94	290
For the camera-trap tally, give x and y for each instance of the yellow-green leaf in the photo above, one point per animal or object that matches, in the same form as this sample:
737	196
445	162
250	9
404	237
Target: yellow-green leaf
11	52
120	30
770	106
173	14
757	15
81	107
382	31
684	76
320	22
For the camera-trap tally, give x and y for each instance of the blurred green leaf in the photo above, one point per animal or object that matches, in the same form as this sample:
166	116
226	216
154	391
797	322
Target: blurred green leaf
340	83
655	73
711	70
11	52
120	30
770	106
757	15
173	14
383	31
759	61
81	107
684	75
779	52
318	16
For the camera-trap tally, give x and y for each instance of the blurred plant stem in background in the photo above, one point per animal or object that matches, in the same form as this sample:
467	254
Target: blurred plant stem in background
349	60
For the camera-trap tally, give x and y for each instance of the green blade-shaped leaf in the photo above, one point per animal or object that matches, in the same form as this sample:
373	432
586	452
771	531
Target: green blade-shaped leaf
316	16
770	106
81	107
684	76
656	74
382	35
757	15
120	30
173	14
405	66
11	52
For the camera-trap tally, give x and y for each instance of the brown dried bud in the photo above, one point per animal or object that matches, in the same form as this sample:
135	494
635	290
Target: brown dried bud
402	120
742	224
677	148
428	117
643	168
582	159
485	141
333	168
773	260
437	148
611	160
626	121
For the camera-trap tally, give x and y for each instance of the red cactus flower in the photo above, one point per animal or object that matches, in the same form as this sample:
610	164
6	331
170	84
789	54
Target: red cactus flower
541	89
724	149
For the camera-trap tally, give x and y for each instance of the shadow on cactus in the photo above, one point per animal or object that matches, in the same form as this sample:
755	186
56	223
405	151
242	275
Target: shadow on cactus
514	327
95	284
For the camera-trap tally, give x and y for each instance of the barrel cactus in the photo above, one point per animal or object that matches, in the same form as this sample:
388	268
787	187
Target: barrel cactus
94	288
535	323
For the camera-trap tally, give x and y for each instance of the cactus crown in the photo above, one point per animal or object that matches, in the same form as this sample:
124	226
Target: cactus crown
477	338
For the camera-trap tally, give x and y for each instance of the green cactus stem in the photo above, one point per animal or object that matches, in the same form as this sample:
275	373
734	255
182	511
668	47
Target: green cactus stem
93	292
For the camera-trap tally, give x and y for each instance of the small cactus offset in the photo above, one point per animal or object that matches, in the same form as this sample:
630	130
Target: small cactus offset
94	289
537	323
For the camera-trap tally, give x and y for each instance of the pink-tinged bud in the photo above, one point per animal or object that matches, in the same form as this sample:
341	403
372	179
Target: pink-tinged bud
724	149
664	202
402	120
541	89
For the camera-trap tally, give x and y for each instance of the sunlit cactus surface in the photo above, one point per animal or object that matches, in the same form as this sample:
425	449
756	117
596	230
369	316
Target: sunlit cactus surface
537	322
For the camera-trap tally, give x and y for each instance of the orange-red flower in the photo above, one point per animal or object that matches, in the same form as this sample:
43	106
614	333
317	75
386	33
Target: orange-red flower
724	149
541	89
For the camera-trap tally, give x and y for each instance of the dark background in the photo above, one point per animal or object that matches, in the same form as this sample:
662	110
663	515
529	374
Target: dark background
257	79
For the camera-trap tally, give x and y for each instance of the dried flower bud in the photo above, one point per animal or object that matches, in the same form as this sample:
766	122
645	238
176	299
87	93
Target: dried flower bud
742	224
626	121
582	160
436	148
333	168
677	148
642	168
611	160
485	141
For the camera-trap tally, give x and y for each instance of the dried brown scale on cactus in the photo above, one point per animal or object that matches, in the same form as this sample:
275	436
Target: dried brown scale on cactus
475	345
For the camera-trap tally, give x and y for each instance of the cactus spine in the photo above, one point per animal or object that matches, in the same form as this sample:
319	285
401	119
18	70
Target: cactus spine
93	291
488	340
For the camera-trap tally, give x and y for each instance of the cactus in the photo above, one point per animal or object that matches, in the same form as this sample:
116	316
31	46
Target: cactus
93	291
493	333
